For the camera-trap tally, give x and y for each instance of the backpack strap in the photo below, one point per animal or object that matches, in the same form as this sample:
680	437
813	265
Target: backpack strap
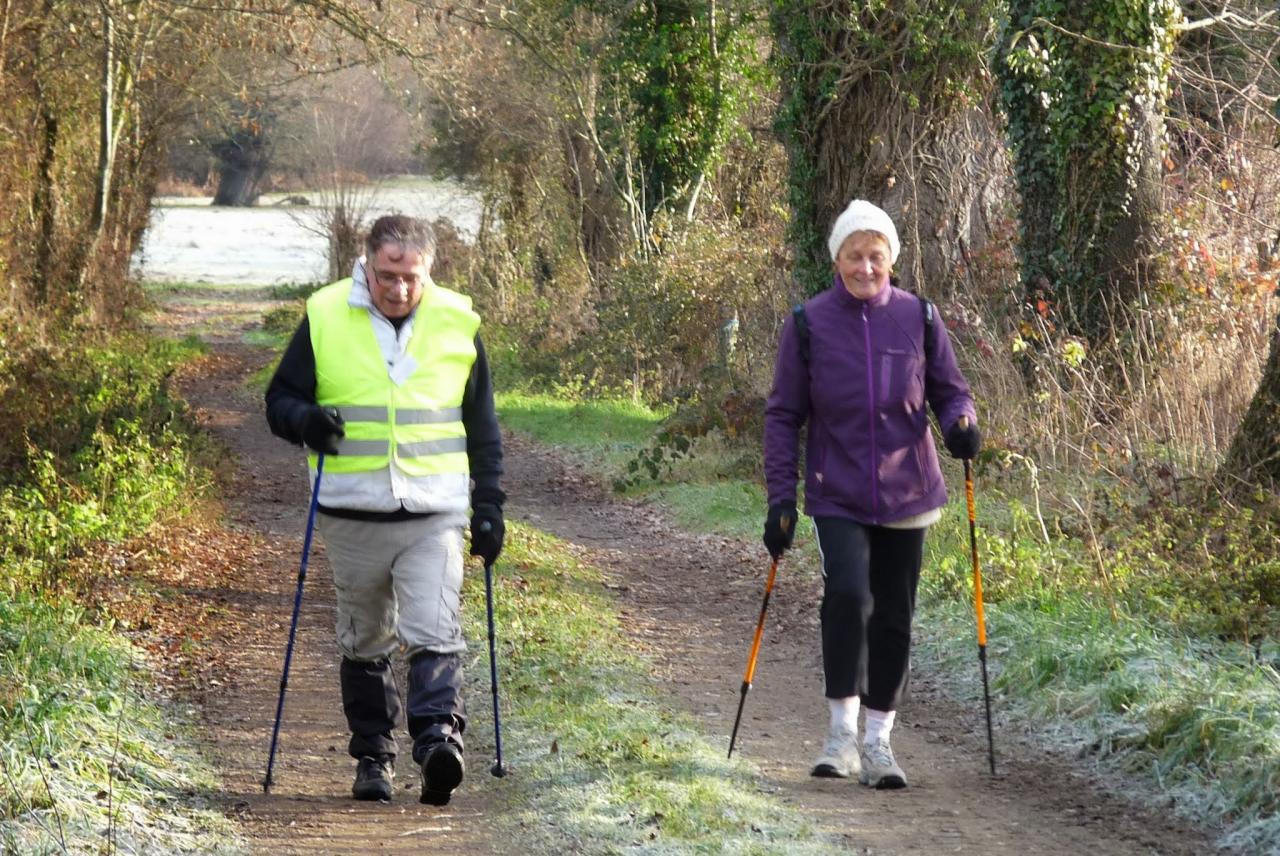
802	330
926	308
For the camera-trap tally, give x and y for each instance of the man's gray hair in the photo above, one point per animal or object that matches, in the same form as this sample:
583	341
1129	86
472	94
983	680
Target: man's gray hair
408	232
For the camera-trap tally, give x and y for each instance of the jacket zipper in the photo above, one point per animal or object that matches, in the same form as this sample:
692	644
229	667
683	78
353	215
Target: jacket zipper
871	415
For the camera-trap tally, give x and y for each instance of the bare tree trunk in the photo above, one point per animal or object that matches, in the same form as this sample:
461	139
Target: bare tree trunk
106	122
592	198
1252	462
937	177
44	200
44	204
1128	247
239	175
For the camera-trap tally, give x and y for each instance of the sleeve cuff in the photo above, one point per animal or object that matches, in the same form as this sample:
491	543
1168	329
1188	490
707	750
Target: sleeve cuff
490	495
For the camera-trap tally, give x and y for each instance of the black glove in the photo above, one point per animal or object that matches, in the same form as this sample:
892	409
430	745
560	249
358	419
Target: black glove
323	429
487	531
963	442
780	527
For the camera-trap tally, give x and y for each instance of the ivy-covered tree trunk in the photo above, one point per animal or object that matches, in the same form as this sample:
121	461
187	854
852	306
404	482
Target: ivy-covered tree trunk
1253	460
887	102
1084	86
675	69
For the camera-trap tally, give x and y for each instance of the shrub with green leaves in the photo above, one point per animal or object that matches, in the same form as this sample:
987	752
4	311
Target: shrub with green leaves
58	389
101	448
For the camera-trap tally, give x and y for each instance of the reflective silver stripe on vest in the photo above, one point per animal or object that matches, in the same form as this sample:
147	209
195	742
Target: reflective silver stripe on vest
418	416
363	414
431	447
363	447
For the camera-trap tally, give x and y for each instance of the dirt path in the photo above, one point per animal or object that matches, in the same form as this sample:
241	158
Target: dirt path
691	602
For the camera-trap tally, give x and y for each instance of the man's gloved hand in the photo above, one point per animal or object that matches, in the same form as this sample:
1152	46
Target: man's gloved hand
487	531
780	527
323	429
963	440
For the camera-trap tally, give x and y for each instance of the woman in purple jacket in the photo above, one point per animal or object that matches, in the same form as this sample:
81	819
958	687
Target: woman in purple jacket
859	364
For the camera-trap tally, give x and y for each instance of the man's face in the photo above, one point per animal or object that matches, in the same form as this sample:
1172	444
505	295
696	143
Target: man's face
397	276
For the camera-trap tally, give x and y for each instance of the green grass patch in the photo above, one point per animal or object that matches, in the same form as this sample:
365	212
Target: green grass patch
732	507
607	431
158	287
709	484
602	764
90	763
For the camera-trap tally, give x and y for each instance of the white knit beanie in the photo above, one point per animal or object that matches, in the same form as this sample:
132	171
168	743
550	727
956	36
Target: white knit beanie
862	216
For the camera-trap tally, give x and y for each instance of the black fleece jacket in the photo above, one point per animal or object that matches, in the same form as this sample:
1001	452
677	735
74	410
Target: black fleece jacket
292	392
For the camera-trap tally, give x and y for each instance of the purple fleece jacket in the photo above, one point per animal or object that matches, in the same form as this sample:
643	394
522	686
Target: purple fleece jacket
870	455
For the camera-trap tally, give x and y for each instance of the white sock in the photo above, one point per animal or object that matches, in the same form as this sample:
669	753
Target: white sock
844	714
879	724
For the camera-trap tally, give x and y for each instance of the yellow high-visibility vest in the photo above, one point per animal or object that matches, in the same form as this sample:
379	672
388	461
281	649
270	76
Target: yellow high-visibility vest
416	423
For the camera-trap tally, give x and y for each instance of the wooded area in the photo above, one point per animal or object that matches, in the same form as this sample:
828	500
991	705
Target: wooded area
633	159
1088	191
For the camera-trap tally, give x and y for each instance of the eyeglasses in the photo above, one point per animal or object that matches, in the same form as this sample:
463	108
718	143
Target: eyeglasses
394	280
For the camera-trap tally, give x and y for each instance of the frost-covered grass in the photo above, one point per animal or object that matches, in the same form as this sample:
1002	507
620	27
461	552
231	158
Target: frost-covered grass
604	763
1164	714
90	760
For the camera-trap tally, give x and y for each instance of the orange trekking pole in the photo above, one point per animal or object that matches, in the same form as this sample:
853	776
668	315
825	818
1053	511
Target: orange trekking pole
755	652
977	601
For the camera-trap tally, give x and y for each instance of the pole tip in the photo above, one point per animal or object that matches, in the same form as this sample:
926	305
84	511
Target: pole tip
498	770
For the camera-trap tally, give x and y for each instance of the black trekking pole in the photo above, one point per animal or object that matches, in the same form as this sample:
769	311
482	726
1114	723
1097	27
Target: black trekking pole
977	602
497	769
293	625
755	652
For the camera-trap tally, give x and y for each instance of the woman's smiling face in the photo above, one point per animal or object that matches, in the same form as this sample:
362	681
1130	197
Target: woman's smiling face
863	264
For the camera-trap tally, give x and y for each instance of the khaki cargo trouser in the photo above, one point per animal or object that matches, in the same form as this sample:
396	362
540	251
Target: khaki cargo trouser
399	584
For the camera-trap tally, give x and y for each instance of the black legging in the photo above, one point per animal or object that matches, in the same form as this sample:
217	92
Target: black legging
868	601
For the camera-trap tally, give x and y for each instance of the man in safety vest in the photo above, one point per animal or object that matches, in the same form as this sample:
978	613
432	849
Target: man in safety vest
387	377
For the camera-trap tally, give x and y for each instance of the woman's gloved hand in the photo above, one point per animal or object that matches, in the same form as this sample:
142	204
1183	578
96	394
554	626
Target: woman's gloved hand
963	440
780	527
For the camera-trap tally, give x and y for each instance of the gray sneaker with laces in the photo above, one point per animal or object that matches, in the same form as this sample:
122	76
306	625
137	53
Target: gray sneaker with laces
839	758
879	770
